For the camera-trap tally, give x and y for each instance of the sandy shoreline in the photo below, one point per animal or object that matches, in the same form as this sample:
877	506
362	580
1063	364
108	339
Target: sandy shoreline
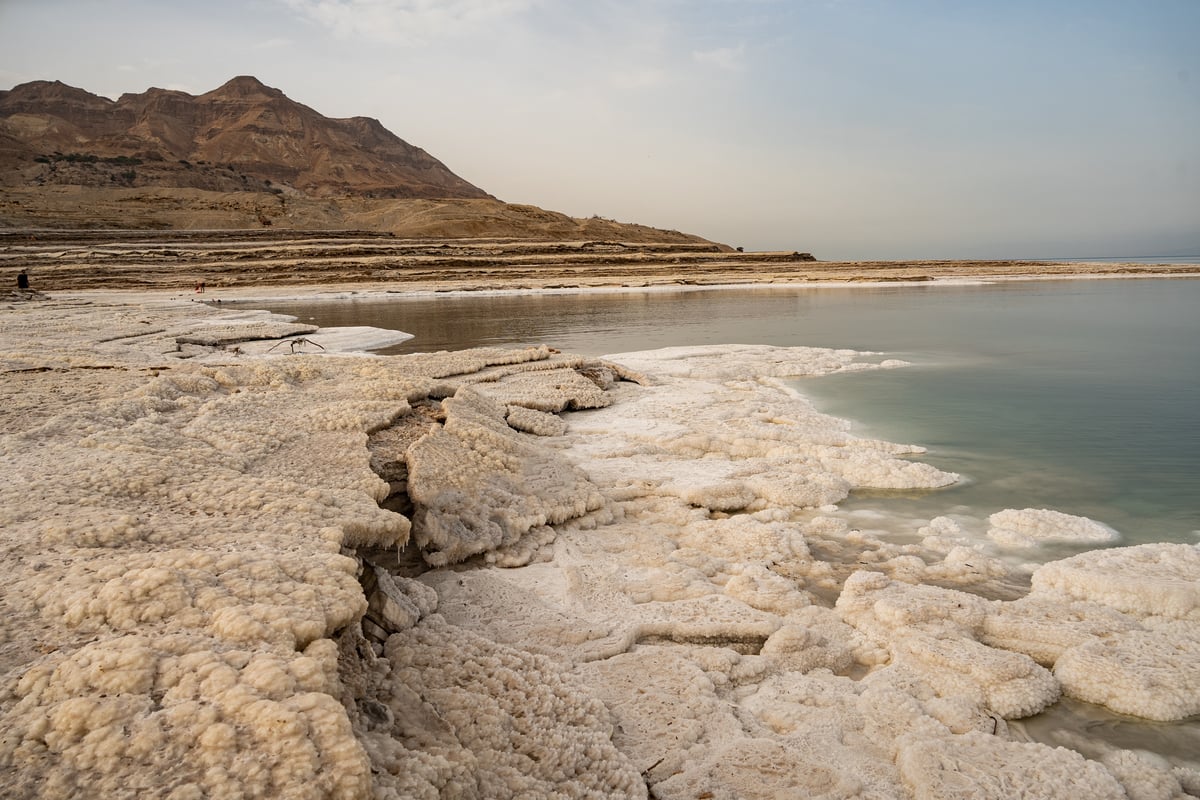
231	572
251	264
245	296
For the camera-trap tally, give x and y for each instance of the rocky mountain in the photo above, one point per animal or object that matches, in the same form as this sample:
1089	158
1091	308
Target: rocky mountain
245	156
243	136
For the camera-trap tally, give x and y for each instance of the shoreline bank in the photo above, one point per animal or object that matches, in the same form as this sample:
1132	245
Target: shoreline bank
241	297
121	260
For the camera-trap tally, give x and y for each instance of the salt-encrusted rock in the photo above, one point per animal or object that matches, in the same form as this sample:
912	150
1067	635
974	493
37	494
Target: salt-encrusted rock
1145	580
1009	684
1144	775
478	486
518	724
173	540
980	766
1120	627
601	373
665	707
541	617
1153	674
387	604
750	768
472	362
1030	527
765	758
879	606
221	335
931	632
540	423
179	712
1046	627
719	430
813	638
547	390
730	362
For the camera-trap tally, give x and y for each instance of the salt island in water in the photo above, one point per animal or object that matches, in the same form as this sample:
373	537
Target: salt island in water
237	570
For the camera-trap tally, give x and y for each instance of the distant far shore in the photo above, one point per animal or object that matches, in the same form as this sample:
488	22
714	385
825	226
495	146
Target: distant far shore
307	262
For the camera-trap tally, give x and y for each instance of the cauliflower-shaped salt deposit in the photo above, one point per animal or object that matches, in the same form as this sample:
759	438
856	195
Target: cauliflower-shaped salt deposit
1033	526
478	486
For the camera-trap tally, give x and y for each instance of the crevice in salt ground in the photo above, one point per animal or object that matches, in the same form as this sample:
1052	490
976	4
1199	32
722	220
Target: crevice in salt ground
747	645
380	566
388	446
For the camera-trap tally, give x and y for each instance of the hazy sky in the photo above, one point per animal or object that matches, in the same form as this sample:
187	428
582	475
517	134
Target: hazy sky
848	128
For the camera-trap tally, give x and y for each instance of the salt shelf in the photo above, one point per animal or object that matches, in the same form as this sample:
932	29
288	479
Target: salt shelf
520	573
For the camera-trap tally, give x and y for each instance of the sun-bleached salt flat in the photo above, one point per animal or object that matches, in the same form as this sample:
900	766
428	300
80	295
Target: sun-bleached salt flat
616	577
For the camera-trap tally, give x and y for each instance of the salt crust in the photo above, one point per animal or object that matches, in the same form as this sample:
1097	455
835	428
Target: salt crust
672	618
346	339
478	487
175	554
1033	526
1137	650
498	723
690	603
974	765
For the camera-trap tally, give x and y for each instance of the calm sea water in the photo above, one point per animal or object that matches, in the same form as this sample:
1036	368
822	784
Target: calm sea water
1083	396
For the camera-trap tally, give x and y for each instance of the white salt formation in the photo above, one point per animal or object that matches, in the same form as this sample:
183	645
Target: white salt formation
179	556
621	578
1139	654
1033	526
479	487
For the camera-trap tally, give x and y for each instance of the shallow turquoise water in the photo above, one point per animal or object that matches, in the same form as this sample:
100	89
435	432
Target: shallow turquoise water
1083	396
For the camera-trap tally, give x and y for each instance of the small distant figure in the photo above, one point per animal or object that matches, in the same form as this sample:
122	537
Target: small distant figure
22	280
199	287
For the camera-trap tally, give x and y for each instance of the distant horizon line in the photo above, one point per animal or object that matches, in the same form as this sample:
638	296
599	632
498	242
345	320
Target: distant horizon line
1162	258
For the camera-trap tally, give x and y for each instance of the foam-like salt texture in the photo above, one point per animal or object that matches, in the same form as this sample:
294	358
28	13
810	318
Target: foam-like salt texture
683	610
1033	526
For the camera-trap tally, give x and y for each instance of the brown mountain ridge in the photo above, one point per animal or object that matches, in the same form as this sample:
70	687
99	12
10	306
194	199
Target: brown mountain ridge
241	136
245	156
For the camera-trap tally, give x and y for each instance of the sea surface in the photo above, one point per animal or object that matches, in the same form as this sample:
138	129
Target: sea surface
1077	395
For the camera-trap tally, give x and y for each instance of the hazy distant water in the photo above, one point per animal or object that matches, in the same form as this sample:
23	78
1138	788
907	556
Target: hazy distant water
1181	259
1082	396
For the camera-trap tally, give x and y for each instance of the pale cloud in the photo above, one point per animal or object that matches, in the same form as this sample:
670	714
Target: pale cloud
726	58
405	21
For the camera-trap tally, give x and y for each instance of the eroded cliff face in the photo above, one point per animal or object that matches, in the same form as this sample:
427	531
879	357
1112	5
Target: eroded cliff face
241	136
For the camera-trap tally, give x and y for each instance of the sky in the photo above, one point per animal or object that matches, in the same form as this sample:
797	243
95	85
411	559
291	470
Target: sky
851	129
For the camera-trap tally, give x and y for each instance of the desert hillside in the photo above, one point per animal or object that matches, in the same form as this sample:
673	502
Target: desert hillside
165	208
244	156
242	136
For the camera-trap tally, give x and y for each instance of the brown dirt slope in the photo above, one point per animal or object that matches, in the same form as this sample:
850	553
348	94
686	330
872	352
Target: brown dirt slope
85	207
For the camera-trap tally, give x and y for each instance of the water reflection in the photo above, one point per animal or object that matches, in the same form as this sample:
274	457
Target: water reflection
1092	730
